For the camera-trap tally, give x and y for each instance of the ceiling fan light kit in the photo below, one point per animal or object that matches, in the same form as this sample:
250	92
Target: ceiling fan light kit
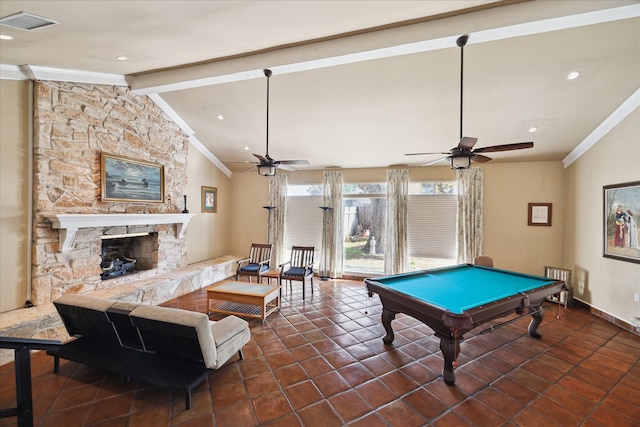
266	170
463	162
460	157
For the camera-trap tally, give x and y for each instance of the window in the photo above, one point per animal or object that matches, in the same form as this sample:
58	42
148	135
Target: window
432	224
303	223
365	209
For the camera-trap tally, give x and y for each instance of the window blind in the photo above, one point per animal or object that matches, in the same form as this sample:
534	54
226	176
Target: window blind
432	226
303	222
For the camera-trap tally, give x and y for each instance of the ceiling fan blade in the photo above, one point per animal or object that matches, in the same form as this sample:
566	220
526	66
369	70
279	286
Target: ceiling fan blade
285	167
504	147
421	154
467	143
292	162
480	158
261	158
434	161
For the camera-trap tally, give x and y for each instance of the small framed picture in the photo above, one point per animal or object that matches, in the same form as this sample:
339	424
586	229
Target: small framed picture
539	214
209	199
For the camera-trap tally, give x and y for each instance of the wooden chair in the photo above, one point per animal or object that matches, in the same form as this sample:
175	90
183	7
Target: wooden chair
484	261
257	263
299	267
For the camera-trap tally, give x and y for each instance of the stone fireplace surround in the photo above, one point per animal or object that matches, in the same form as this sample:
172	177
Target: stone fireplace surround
73	124
99	226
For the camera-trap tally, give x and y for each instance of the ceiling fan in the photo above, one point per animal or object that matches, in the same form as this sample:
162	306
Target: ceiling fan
461	155
266	165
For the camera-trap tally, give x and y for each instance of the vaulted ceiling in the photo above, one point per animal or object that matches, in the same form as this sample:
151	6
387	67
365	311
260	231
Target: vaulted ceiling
355	83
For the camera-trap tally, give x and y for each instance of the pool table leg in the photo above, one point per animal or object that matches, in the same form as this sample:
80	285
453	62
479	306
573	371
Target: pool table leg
536	319
387	317
449	347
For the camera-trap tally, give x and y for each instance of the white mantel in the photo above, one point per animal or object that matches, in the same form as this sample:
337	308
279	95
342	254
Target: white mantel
68	224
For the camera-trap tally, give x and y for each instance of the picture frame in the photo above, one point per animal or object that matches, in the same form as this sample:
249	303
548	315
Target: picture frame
621	211
539	214
129	180
209	199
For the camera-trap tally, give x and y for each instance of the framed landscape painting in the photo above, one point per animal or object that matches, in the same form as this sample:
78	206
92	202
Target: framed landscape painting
128	180
621	214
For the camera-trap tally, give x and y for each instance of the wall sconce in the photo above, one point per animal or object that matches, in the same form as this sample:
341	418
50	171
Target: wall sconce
460	162
266	170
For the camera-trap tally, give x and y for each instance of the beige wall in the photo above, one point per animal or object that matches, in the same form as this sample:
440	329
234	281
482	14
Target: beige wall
209	234
14	194
604	283
508	189
249	193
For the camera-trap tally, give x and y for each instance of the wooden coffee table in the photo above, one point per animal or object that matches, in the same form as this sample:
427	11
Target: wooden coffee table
243	299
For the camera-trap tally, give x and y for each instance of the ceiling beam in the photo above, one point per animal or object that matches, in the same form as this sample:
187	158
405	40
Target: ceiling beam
367	47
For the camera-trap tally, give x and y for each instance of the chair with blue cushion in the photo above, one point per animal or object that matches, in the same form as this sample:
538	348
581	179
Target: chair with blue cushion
299	267
257	263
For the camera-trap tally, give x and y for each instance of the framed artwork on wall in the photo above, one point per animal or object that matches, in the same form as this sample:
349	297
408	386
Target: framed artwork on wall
539	214
621	203
129	180
209	199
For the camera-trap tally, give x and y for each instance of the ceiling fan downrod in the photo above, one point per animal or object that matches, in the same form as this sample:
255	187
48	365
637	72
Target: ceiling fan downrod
267	73
461	42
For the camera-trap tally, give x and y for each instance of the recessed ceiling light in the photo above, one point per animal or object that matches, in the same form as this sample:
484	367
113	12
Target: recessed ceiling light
5	37
246	147
121	58
573	75
533	129
220	117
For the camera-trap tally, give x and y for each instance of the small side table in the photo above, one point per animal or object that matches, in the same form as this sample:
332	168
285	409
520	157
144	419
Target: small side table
270	275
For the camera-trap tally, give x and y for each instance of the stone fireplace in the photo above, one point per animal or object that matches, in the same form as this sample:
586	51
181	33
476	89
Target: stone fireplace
80	244
73	124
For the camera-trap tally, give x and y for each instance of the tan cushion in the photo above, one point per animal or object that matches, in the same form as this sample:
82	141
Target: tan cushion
198	321
125	306
230	334
85	301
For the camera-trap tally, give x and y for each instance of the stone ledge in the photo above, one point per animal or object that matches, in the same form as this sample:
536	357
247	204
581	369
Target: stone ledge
43	322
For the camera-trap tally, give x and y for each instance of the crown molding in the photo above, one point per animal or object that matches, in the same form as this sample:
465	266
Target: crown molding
619	114
12	72
35	72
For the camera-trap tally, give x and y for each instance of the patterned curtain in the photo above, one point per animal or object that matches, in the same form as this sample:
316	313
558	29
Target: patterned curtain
470	237
396	243
333	236
278	199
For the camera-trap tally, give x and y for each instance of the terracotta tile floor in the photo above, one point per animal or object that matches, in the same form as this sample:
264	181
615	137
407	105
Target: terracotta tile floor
321	362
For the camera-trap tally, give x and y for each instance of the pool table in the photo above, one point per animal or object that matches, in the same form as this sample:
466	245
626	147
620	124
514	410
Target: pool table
454	300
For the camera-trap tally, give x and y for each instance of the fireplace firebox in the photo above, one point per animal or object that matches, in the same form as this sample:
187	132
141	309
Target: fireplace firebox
128	253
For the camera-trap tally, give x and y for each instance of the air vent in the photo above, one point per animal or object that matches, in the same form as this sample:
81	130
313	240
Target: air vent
27	21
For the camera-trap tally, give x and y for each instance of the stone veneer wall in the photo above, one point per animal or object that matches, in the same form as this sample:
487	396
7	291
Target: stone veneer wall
73	124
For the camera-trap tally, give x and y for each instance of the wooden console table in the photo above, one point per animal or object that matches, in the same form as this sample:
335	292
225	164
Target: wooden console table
243	299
